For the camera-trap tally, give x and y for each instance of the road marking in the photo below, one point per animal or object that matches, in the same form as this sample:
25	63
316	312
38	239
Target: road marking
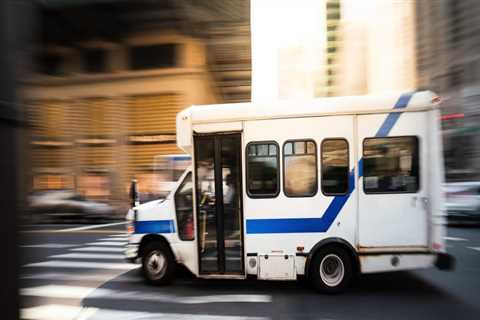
50	245
454	239
97	226
79	292
56	312
63	312
88	256
79	277
474	248
170	298
82	265
124	239
98	249
106	243
104	314
59	291
118	235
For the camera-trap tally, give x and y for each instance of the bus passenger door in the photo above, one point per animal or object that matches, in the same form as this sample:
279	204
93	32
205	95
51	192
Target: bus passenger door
219	210
393	184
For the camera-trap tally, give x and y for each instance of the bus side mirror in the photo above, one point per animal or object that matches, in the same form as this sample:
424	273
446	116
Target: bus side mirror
134	198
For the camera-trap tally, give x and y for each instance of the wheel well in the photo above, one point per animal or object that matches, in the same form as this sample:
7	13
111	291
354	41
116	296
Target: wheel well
153	238
333	243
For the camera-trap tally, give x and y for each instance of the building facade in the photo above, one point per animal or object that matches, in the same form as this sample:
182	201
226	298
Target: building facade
102	105
448	51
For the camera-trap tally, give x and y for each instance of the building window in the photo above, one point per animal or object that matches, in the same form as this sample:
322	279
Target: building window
391	165
153	56
184	209
300	168
49	64
335	167
262	170
95	60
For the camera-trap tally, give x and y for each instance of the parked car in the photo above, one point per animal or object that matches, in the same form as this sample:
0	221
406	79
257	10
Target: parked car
67	204
463	202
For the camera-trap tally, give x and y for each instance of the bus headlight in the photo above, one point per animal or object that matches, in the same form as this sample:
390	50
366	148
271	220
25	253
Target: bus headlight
130	222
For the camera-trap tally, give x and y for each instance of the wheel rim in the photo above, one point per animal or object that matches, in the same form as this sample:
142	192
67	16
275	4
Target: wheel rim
156	264
332	270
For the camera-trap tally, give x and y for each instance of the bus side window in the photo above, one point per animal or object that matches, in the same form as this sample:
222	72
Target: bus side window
391	165
335	167
262	169
184	209
300	168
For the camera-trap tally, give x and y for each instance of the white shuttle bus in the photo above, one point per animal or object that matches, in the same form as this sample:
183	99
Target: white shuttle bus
326	189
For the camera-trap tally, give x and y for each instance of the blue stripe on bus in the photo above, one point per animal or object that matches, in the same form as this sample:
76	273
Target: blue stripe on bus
302	225
392	117
155	226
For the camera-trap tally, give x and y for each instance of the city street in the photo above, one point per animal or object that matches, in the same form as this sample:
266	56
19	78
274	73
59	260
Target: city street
79	273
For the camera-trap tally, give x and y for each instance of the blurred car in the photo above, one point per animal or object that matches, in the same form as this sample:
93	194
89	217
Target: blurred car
67	204
463	202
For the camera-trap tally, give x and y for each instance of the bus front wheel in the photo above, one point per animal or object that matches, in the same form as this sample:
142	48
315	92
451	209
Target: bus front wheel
158	264
331	270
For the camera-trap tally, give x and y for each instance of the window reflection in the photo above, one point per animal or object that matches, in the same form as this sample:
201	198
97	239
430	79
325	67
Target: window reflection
262	175
300	167
390	165
335	166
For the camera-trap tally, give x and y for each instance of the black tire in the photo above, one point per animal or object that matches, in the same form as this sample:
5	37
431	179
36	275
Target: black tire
337	270
158	270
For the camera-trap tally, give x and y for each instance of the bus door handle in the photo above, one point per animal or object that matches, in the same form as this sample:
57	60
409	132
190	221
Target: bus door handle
425	202
414	201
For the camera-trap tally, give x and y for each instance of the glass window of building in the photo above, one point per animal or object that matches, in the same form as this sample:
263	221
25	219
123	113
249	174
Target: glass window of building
95	60
153	56
390	165
335	167
262	170
300	168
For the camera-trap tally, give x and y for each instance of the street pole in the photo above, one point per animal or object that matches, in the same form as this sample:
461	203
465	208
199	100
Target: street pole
15	32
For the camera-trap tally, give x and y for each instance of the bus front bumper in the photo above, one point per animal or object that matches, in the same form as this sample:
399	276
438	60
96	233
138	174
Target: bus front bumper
131	252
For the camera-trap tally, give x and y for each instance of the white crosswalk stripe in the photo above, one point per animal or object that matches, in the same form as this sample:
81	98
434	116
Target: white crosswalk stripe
64	312
124	239
63	276
118	235
59	291
49	245
60	284
78	292
107	243
98	249
101	256
98	226
474	248
54	312
82	265
454	239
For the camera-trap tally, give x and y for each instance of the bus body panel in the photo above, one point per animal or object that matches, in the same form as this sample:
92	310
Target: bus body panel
387	231
394	219
297	209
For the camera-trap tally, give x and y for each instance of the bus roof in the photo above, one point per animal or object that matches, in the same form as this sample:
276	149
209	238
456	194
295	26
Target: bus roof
237	112
304	108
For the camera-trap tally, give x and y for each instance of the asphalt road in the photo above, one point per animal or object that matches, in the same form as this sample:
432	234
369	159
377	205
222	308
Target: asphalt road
80	274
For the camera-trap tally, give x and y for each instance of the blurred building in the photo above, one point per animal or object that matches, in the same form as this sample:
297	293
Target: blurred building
109	78
448	61
377	47
333	20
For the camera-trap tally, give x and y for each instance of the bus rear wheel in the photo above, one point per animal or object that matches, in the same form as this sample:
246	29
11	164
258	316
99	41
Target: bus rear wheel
158	264
331	270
